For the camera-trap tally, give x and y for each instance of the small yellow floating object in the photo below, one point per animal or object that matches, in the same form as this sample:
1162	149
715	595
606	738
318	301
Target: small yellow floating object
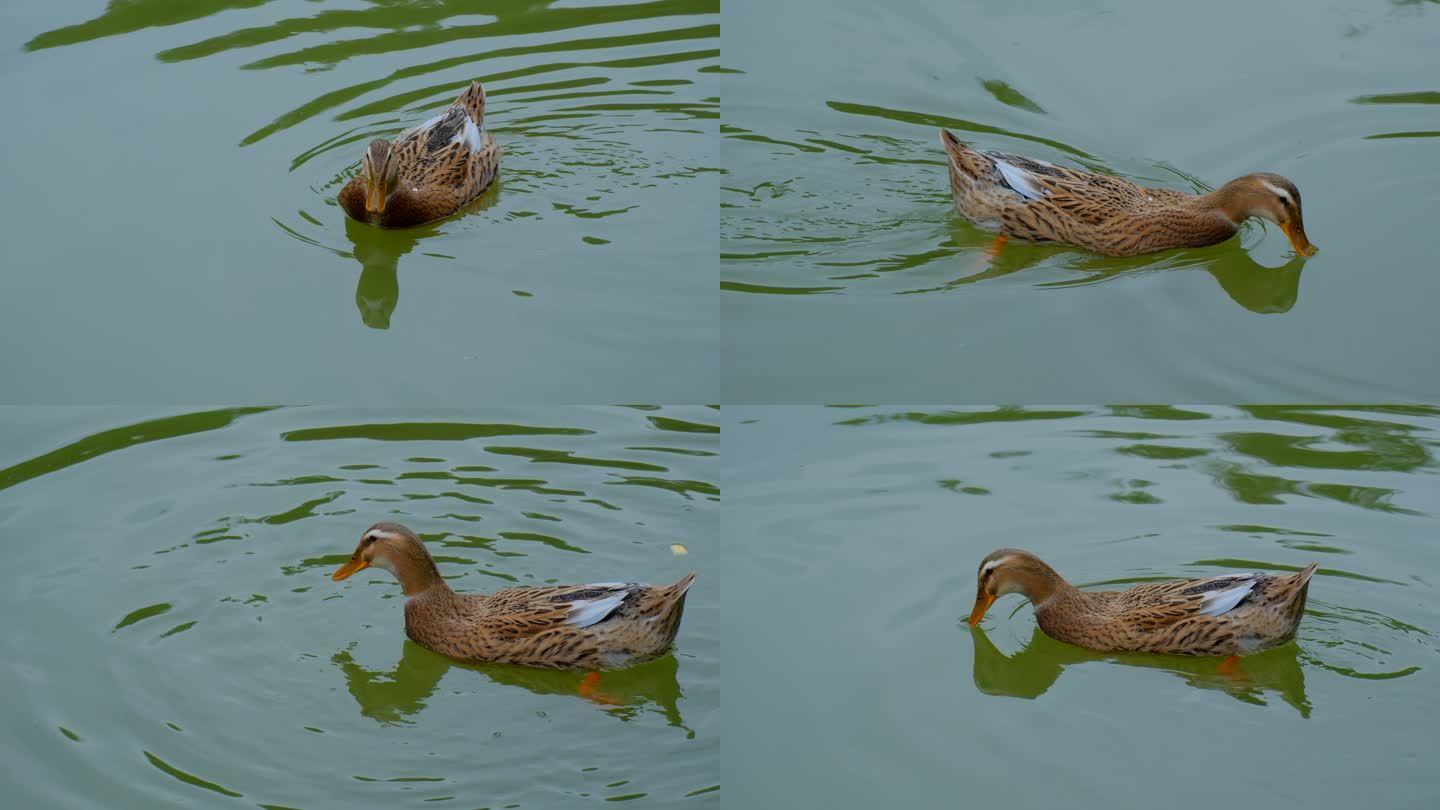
678	550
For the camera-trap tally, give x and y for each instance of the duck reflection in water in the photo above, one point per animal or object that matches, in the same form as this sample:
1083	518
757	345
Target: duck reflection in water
1031	671
393	697
379	251
1257	288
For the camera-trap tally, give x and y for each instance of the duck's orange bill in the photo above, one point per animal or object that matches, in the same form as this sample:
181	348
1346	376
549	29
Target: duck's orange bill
375	198
982	604
355	564
1297	239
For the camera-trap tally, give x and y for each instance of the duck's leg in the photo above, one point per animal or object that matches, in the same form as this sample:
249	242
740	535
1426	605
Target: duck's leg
590	690
983	263
1230	667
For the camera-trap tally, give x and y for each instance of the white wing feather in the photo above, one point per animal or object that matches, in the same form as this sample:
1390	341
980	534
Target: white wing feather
1018	179
1221	600
470	135
585	612
412	130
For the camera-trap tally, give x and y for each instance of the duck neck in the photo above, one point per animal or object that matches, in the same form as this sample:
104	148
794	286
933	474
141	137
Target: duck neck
1236	201
417	573
1043	587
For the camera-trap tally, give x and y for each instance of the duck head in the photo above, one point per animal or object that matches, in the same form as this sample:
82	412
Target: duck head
1011	570
398	550
382	175
1268	196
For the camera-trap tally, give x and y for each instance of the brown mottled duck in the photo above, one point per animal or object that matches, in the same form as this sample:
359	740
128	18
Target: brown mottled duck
601	626
1041	202
427	172
1231	614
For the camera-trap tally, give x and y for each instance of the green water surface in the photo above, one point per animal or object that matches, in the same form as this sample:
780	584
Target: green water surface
173	637
853	681
848	276
170	231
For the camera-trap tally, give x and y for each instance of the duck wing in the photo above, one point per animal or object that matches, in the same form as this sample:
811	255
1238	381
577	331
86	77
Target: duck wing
530	611
1093	199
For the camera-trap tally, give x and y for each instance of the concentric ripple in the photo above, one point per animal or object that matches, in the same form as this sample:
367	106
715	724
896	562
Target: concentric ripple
176	638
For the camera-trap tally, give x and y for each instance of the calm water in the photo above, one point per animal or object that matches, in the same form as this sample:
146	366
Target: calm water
846	642
174	638
849	277
170	184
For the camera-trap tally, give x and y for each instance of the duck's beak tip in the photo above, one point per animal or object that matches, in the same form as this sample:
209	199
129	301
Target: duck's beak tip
354	565
982	604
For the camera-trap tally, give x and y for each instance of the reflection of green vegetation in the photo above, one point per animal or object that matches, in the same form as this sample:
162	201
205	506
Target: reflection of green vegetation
1349	441
677	486
1375	444
425	432
1429	97
1031	672
1423	97
1395	452
121	438
1167	412
681	425
1392	135
770	289
937	121
435	93
1258	488
395	696
1008	413
188	778
140	614
1005	94
543	456
408	26
129	16
389	26
958	486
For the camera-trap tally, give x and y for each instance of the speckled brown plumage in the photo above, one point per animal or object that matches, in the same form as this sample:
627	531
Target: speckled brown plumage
1041	202
435	172
1232	614
590	627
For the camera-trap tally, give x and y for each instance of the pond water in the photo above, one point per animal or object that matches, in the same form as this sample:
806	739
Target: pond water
852	679
172	169
848	275
174	637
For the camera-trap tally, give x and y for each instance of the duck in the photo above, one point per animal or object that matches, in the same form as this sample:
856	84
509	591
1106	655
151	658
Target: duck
594	627
1041	202
428	172
1230	614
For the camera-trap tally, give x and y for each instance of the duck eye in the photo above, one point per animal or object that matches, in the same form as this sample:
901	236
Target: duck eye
371	539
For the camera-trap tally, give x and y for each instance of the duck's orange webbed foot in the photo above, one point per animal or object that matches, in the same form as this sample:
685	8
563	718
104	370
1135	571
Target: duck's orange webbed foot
1230	667
981	264
590	690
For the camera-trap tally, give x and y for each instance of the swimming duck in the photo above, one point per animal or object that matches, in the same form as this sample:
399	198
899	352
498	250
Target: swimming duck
601	626
1031	199
429	171
1231	614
